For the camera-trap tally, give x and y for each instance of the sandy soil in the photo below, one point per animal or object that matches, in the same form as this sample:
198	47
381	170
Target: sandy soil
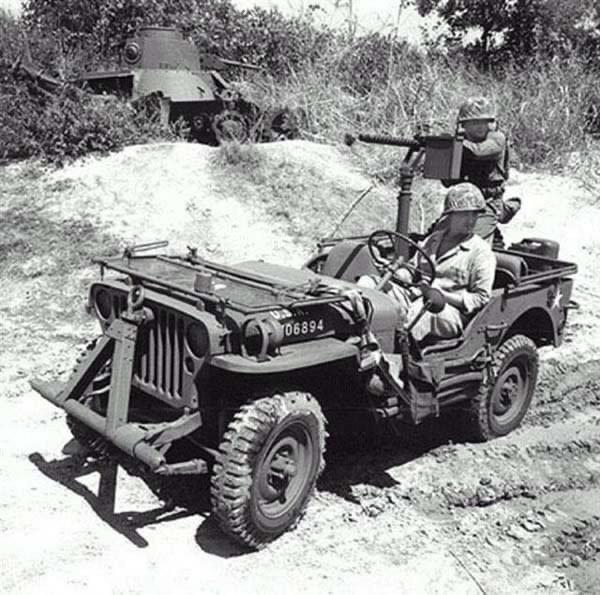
517	515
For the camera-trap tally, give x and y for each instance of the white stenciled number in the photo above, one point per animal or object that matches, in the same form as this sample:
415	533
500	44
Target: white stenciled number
305	327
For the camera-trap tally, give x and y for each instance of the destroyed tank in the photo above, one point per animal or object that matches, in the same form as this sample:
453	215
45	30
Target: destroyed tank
165	74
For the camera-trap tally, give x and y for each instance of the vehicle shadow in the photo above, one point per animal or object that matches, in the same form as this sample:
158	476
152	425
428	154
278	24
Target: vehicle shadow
367	456
182	496
363	459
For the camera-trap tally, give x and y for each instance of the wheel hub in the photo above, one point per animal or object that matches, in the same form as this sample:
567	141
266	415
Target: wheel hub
280	468
230	125
509	392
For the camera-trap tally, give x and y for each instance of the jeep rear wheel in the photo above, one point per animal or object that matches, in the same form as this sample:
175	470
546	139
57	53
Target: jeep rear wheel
269	459
503	401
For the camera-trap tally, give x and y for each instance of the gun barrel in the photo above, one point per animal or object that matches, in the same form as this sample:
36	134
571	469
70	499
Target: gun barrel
240	64
395	141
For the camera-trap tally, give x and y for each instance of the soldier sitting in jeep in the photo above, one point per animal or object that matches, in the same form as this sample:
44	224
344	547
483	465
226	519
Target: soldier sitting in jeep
465	267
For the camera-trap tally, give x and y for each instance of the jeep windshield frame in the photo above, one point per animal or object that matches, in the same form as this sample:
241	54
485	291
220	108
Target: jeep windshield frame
312	293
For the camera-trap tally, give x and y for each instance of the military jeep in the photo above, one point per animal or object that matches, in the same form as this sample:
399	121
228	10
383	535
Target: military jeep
245	363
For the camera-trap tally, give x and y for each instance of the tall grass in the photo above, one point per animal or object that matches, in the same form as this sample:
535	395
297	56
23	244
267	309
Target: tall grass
369	84
542	108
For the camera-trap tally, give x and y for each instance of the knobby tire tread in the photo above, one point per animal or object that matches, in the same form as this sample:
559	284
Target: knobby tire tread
477	424
232	476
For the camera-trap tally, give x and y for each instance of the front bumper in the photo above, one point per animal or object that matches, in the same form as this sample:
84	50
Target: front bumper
147	442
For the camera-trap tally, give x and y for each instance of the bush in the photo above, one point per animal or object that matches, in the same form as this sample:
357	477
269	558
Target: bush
98	30
69	124
371	83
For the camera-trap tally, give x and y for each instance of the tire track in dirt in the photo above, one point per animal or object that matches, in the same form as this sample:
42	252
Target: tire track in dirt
536	491
556	449
565	389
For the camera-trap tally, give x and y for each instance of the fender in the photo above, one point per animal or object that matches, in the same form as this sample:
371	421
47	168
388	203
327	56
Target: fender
291	357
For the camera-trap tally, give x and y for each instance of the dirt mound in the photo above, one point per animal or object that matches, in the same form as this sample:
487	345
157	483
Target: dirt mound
185	193
156	192
519	514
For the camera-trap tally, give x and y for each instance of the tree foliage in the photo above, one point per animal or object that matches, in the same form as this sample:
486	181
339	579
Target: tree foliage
99	28
516	30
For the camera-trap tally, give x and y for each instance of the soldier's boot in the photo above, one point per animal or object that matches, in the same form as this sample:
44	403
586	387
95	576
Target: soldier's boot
386	380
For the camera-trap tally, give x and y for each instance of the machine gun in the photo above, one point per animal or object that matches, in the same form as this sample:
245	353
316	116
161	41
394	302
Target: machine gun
441	156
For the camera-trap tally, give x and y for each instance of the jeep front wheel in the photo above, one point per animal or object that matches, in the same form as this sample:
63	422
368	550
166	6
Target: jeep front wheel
503	401
269	459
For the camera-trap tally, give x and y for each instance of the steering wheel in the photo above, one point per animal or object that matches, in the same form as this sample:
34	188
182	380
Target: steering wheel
418	277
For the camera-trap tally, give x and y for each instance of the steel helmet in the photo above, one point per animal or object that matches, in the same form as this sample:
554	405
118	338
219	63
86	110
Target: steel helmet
476	108
464	197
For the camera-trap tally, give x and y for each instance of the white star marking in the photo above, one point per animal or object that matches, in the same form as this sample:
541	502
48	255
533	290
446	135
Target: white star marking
556	299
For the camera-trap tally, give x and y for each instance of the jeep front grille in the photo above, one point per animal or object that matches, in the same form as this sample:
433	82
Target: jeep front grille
159	365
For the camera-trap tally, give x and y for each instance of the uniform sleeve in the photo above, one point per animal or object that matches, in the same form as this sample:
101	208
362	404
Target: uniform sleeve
510	207
490	149
481	279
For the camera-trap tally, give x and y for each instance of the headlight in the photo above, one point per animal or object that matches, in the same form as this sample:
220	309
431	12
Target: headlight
132	53
103	304
197	339
261	337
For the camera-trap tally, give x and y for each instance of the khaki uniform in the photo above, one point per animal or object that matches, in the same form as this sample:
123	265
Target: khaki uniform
468	269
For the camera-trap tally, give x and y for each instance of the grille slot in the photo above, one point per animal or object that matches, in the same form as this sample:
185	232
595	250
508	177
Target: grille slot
160	364
160	352
119	304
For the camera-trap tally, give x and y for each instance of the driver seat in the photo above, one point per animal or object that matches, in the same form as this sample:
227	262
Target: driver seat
349	260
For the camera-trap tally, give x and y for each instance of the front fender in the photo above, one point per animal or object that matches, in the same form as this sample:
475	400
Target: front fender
291	357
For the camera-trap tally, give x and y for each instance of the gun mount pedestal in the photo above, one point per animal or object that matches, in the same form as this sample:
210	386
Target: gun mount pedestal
404	198
443	158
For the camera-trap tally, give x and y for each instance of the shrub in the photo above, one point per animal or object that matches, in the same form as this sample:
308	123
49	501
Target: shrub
98	30
372	82
69	124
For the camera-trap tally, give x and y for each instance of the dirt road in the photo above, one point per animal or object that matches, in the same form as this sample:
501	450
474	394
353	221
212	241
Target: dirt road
517	515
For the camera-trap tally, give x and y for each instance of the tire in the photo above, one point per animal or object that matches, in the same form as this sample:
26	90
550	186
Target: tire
269	460
95	395
230	125
503	401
